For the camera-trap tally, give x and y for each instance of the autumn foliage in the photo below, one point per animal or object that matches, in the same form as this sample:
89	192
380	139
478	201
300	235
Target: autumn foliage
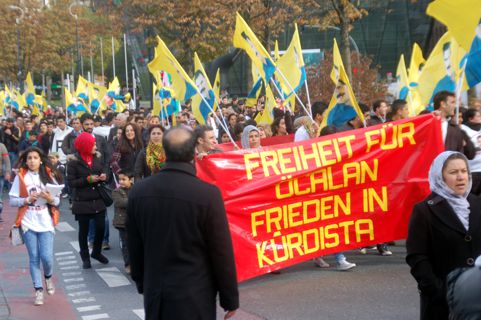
365	82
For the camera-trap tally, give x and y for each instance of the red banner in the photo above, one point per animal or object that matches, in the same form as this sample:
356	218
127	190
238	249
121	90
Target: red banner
293	202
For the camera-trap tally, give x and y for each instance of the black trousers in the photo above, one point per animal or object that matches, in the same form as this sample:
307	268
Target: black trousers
123	245
83	231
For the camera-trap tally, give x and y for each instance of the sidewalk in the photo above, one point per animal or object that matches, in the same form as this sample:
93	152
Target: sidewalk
16	292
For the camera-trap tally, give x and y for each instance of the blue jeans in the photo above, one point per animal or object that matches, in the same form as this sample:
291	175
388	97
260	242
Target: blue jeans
2	183
92	230
40	249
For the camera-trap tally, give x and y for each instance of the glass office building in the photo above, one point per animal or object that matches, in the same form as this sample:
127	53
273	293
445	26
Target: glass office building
389	29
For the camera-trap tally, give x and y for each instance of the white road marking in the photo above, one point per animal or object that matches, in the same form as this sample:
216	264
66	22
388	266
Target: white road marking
76	286
140	313
65	263
84	300
79	293
96	316
88	308
66	258
64	227
63	253
113	277
70	268
73	280
75	245
71	274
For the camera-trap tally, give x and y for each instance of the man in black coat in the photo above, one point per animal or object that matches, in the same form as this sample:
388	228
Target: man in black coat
179	240
454	138
86	123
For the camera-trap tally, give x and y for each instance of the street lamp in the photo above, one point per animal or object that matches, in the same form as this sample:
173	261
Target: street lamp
18	21
77	35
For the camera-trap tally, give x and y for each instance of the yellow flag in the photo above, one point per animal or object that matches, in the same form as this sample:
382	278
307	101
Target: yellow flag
441	70
22	103
402	79
157	108
96	97
82	91
29	93
462	18
257	81
276	51
73	105
245	39
266	115
200	108
2	102
216	87
165	60
291	70
416	65
404	90
343	106
29	83
112	98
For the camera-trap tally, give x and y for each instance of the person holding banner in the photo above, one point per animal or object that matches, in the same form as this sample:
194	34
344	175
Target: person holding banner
250	137
399	110
472	127
379	109
454	138
444	232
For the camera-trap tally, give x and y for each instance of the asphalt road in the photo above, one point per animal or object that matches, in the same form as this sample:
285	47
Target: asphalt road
378	288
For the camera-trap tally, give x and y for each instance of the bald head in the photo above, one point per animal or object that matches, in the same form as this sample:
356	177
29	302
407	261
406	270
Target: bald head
179	144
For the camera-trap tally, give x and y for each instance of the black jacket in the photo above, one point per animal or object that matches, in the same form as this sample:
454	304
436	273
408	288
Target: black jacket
141	169
46	142
458	140
437	244
127	159
374	120
85	196
180	245
11	140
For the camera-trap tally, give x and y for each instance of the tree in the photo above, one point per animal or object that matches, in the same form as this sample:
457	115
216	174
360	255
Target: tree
27	29
207	26
364	82
341	13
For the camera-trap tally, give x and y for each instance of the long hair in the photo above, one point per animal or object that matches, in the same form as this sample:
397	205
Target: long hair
124	143
44	164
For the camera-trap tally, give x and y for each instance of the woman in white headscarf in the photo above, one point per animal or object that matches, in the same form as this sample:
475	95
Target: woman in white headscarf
444	231
250	137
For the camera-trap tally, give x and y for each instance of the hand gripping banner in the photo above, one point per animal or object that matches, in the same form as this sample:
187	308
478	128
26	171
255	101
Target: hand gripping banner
293	202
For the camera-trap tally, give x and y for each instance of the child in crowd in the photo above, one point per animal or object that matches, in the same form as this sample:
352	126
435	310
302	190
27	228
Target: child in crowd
120	196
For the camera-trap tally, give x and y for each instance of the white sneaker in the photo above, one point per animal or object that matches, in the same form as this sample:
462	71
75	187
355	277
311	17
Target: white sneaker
321	263
50	286
386	252
344	265
38	298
